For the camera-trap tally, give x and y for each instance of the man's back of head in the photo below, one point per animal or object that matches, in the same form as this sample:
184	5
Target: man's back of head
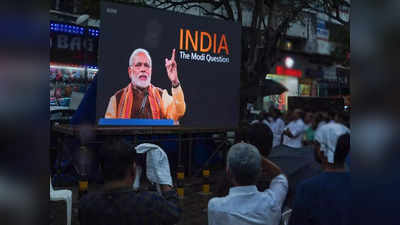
259	135
342	149
298	114
244	163
117	160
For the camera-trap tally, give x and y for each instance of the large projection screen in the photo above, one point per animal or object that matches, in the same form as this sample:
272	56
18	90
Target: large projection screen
198	86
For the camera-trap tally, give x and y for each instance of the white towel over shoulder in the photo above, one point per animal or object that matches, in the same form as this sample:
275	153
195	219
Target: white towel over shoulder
157	165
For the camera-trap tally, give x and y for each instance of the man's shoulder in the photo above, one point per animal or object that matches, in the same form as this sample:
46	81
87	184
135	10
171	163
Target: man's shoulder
119	92
160	90
124	197
216	203
313	182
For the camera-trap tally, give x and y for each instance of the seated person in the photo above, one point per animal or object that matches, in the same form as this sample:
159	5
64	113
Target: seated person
245	204
118	203
326	198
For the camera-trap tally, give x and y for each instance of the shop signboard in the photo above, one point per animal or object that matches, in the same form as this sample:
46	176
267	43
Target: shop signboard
68	44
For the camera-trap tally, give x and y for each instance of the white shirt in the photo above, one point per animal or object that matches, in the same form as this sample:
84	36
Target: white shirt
245	205
277	126
297	128
320	124
327	136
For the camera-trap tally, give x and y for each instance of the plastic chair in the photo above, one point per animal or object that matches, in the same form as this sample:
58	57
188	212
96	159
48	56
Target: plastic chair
62	195
286	216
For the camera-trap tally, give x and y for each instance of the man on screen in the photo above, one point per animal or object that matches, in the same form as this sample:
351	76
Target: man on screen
140	99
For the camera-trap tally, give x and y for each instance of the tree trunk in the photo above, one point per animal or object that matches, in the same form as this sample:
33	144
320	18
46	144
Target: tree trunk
260	97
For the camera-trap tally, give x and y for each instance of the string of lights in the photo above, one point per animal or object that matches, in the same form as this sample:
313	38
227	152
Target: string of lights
73	29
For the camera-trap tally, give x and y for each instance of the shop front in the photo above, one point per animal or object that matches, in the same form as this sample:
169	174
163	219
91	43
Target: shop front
290	79
73	62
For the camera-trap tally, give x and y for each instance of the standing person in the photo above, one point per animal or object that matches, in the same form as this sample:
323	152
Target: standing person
259	118
245	205
322	118
310	122
343	118
118	203
293	132
277	126
288	117
326	198
141	99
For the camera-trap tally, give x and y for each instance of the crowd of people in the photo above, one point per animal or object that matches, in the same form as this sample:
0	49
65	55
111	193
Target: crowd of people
296	129
256	186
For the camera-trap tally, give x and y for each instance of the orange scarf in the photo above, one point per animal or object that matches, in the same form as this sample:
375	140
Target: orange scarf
126	102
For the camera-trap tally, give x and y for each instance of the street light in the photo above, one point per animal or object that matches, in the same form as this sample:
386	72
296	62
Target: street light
83	20
289	62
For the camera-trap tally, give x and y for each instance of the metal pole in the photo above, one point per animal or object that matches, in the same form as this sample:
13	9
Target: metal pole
85	40
190	155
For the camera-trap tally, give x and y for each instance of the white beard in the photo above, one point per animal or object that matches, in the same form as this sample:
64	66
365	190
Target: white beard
141	83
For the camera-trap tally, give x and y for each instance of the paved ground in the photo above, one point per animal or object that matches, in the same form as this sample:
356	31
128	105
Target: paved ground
194	204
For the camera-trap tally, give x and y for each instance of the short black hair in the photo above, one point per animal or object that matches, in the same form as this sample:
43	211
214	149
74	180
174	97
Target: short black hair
332	114
257	134
344	116
342	149
117	155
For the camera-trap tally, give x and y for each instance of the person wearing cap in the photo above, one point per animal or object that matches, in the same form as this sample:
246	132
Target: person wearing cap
140	99
244	204
117	202
325	198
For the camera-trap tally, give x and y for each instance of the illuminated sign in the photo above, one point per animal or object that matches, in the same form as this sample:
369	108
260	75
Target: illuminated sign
288	72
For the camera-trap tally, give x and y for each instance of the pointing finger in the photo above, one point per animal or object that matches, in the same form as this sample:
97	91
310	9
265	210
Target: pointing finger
173	55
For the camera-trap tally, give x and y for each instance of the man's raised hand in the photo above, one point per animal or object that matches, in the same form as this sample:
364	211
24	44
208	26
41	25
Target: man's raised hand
170	65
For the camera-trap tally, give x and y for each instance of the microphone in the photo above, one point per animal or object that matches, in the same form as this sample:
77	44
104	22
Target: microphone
146	94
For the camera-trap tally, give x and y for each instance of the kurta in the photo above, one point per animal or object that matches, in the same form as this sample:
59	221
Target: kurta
150	103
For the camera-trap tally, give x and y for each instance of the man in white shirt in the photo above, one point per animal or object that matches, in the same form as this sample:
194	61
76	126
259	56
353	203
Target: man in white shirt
262	118
293	132
277	126
245	205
